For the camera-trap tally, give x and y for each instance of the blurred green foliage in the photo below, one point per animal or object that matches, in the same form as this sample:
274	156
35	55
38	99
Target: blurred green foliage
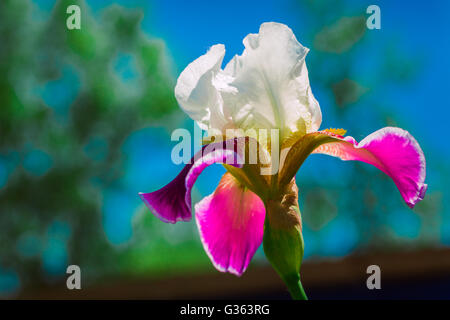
347	91
341	35
65	111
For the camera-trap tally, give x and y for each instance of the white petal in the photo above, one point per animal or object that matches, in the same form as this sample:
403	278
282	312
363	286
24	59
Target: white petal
306	97
195	91
266	87
271	83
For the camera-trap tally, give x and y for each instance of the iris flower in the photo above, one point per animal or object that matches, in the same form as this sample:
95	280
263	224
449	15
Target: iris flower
267	87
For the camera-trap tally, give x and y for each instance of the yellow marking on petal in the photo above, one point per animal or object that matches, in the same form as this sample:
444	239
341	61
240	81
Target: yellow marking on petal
294	135
338	131
291	139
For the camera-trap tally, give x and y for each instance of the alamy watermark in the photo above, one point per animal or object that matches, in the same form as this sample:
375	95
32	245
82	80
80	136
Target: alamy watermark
74	280
74	19
374	20
374	280
237	147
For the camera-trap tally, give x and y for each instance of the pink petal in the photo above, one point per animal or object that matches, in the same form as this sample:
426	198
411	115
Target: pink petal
231	225
392	150
172	203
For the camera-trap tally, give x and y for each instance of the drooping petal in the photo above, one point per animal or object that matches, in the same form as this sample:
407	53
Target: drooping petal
231	225
195	91
172	203
392	150
271	83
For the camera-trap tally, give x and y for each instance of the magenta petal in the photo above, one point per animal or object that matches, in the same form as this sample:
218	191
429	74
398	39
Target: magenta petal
172	203
168	203
392	150
231	225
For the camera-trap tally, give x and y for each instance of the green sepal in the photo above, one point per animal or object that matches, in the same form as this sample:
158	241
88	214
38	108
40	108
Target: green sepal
250	173
283	240
298	152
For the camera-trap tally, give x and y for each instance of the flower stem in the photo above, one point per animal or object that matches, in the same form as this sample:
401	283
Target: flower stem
295	288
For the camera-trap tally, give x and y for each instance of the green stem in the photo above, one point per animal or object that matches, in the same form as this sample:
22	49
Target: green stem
295	288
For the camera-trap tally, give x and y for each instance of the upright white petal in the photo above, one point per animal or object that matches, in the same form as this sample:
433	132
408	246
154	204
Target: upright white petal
266	87
306	97
272	84
195	91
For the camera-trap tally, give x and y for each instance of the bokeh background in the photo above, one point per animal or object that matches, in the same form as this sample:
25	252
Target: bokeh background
85	123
